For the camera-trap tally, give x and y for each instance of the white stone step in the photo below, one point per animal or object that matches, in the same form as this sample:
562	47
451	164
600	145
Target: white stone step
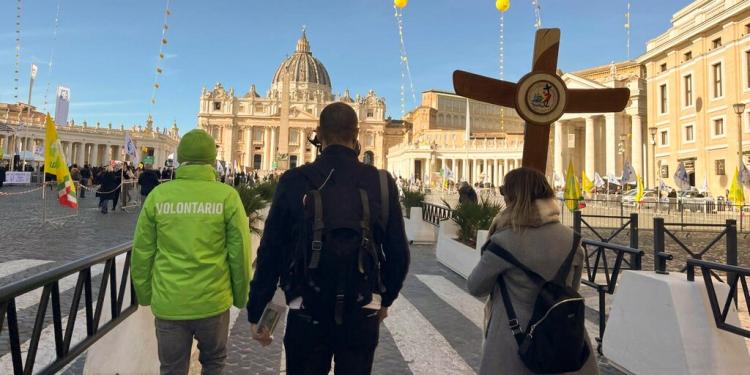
456	297
16	266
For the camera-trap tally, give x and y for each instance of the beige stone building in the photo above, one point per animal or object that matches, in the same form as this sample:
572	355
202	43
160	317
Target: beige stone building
270	132
82	143
697	70
435	138
602	142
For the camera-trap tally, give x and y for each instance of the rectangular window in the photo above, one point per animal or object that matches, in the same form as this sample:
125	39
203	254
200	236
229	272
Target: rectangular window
258	136
663	98
664	138
716	43
720	167
718	89
217	106
259	108
688	82
293	161
663	67
719	127
689	134
370	113
257	159
293	137
688	55
664	169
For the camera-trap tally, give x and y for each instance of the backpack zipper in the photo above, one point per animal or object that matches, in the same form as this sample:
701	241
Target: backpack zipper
533	327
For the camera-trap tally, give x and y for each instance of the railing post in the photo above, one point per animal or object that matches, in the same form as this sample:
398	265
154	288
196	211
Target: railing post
660	265
577	221
732	242
635	261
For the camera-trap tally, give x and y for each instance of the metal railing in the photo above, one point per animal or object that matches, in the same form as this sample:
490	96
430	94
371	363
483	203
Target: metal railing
65	350
611	212
434	214
735	275
608	261
661	232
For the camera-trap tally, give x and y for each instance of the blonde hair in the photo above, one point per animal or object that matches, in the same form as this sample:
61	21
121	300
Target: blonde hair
521	188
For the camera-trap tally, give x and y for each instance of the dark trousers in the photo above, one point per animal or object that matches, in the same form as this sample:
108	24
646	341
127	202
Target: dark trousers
175	341
310	345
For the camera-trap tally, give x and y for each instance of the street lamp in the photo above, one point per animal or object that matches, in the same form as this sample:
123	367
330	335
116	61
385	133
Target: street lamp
739	109
652	130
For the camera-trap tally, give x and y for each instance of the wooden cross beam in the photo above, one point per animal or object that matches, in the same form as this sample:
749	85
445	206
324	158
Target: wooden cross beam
540	97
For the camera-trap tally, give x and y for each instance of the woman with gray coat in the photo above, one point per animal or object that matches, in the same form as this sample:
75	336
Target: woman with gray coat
530	229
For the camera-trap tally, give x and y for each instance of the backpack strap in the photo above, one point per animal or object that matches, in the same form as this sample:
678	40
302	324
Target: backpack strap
384	203
564	270
318	226
513	323
365	223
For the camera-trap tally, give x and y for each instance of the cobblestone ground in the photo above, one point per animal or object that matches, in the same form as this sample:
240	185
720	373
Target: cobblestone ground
28	247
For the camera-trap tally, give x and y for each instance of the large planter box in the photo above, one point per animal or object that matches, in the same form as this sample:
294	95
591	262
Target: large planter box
460	258
417	230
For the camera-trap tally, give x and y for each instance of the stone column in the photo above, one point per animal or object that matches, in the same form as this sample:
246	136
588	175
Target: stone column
496	177
558	160
106	155
637	144
80	157
464	170
611	143
273	147
301	148
249	147
266	162
590	147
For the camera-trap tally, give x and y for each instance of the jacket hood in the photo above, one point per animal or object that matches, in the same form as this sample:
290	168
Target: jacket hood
203	172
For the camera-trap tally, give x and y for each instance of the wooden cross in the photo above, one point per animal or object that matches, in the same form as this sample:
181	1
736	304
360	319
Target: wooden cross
540	97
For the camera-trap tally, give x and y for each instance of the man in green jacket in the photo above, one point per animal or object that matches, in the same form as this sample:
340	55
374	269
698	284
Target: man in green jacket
191	258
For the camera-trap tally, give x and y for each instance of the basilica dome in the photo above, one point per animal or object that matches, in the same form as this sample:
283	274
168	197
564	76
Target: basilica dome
303	68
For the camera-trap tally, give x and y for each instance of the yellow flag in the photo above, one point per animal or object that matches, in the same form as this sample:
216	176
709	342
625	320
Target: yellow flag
588	186
736	191
639	189
572	192
54	163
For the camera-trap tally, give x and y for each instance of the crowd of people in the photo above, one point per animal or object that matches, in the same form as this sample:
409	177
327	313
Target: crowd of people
334	242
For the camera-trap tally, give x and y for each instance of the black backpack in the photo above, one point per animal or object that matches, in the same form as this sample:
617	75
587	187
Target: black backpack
335	266
555	339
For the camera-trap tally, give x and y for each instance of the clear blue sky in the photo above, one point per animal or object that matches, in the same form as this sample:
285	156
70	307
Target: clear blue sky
106	51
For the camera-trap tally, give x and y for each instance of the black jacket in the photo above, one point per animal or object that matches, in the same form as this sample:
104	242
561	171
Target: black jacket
282	227
148	180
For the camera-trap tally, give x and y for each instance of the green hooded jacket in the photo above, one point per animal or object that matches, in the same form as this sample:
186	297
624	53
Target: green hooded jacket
191	252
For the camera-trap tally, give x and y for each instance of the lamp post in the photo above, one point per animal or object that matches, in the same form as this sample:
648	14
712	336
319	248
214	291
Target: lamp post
739	109
652	131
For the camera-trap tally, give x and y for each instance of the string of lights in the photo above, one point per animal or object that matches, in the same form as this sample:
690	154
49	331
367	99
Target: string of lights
537	5
405	68
159	65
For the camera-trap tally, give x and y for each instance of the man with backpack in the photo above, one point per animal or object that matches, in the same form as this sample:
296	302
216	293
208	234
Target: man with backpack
334	241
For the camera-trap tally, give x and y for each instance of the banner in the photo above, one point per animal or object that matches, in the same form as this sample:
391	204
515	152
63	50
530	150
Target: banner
588	185
744	176
572	192
54	163
598	181
639	189
736	191
61	105
628	173
17	178
130	148
681	178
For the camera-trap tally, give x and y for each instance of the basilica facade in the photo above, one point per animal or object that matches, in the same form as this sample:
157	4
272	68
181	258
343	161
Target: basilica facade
268	133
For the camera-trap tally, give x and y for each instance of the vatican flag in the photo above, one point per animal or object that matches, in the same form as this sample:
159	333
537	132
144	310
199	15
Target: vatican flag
639	189
54	163
736	191
588	185
572	192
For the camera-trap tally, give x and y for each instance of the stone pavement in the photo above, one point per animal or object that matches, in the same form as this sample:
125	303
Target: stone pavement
433	328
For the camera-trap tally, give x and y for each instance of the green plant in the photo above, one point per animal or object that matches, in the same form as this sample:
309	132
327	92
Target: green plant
266	189
412	199
471	217
254	203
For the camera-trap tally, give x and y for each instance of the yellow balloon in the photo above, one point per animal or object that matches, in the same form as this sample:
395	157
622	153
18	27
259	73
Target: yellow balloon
400	3
502	5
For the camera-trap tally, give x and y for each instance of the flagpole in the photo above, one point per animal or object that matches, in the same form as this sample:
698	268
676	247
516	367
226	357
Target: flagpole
31	87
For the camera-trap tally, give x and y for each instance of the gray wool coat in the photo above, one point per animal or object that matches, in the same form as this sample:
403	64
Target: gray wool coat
542	247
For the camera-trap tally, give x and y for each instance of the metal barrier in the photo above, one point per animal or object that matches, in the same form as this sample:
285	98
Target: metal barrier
734	275
660	232
49	281
434	214
599	251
